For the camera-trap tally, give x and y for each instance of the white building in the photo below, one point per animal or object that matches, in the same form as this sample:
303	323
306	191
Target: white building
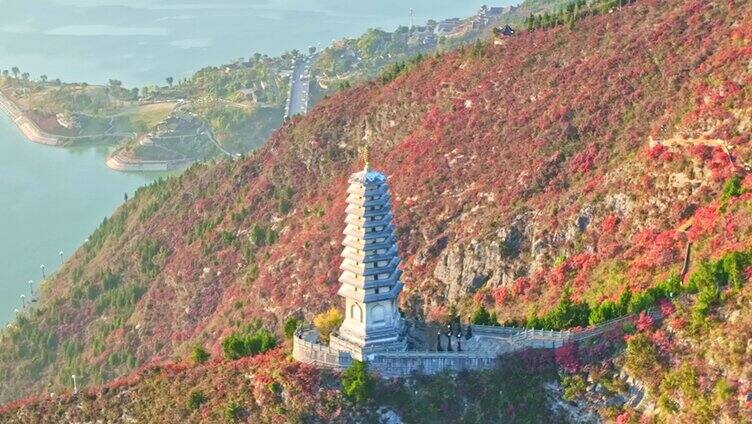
370	276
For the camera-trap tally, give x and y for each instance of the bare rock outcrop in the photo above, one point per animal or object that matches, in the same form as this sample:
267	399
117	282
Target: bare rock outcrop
495	260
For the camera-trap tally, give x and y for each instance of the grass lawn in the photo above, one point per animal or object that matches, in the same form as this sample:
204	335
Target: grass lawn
147	116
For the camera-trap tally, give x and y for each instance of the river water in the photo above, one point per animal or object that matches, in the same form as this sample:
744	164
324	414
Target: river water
52	198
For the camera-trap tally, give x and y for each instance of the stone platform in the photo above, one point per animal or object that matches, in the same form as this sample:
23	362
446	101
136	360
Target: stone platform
481	351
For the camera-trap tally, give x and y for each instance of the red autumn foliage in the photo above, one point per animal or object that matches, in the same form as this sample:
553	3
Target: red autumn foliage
644	321
567	357
501	296
548	107
609	224
666	307
704	222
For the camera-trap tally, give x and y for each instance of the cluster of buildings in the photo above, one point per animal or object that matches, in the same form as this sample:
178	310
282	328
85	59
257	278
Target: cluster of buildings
454	27
255	93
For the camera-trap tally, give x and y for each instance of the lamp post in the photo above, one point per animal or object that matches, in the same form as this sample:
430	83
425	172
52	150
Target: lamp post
438	342
449	336
469	332
459	341
23	301
60	253
44	274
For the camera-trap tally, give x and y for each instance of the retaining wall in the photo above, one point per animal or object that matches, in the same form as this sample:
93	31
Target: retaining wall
403	364
318	354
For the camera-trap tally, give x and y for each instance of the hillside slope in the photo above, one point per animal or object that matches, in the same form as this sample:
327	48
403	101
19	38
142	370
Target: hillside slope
516	169
271	389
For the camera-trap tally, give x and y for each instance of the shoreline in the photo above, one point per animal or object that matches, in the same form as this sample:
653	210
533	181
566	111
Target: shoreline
117	162
26	125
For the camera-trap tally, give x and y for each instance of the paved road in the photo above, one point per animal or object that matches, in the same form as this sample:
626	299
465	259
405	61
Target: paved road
299	92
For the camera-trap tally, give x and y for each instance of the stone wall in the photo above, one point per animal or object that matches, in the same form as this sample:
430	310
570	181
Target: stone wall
307	349
315	353
403	364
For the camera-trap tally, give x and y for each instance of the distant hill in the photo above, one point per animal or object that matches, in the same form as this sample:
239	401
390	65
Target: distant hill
581	159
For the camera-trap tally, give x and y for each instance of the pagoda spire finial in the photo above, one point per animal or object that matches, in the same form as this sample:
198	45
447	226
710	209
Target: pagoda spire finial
366	149
366	156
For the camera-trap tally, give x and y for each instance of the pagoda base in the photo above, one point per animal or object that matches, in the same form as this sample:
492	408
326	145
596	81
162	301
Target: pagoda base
388	339
361	352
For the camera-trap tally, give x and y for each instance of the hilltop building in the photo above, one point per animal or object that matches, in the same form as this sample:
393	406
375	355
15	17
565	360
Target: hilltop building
507	31
448	27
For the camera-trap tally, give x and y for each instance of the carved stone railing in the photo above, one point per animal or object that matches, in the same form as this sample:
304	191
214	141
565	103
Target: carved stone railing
306	348
313	352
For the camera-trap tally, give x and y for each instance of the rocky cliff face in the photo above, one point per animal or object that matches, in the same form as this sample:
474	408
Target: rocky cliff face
492	260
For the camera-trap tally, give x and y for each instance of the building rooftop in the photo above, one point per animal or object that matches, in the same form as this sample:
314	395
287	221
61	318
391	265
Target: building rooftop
367	177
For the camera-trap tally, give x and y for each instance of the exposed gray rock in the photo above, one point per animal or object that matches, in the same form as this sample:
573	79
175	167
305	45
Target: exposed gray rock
464	268
574	412
516	250
432	250
388	416
620	203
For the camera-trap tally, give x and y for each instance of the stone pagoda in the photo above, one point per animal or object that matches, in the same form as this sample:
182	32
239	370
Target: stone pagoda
370	276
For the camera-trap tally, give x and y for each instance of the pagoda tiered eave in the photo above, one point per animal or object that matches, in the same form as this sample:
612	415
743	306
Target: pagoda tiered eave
361	283
362	212
368	223
360	244
357	200
350	265
361	190
363	296
359	255
355	231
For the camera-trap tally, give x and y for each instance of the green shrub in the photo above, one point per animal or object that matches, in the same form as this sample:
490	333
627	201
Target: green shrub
111	281
151	253
642	301
284	197
732	188
291	324
606	311
733	265
262	236
232	411
199	355
357	384
396	69
239	345
567	314
195	399
642	357
574	386
707	274
481	316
